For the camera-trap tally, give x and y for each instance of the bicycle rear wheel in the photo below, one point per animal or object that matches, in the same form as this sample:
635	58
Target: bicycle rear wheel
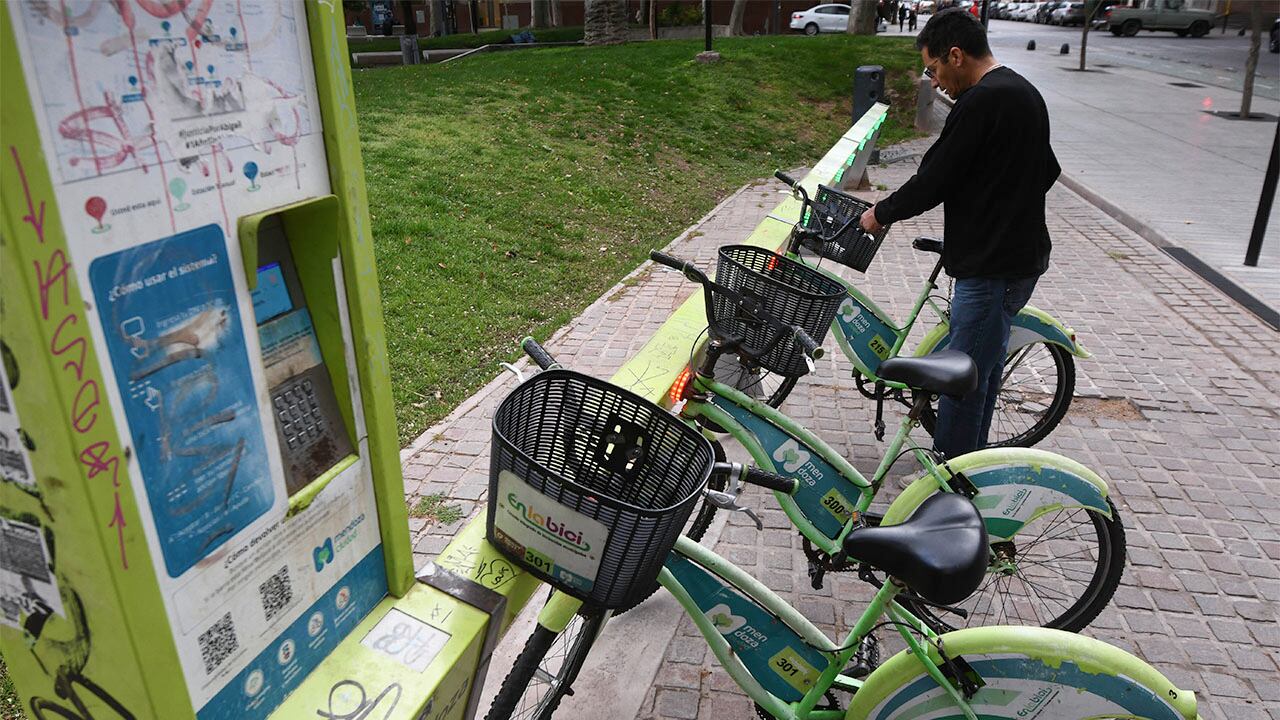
545	670
1038	382
1046	673
1058	572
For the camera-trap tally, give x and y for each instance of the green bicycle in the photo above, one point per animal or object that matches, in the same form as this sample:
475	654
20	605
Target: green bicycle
589	488
1057	544
1039	371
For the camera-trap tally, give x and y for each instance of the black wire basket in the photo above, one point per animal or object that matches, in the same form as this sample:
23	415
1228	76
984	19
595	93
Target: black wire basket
787	290
590	485
854	248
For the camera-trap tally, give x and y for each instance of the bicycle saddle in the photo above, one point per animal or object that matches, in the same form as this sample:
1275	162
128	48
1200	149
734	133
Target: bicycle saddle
928	244
940	552
949	372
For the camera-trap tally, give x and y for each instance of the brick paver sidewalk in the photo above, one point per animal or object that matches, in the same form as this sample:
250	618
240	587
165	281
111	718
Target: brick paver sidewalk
1177	410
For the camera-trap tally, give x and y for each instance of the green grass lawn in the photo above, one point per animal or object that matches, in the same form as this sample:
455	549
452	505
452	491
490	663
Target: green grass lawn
10	704
509	191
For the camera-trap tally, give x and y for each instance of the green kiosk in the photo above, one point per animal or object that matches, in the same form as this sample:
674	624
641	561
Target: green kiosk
201	505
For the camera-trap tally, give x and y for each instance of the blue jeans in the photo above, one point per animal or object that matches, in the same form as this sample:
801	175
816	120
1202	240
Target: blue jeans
982	309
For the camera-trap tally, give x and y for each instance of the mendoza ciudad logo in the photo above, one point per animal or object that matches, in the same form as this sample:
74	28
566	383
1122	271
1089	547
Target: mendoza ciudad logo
324	553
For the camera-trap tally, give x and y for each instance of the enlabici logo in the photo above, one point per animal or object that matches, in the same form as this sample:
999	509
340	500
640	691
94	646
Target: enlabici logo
323	555
547	525
791	455
724	620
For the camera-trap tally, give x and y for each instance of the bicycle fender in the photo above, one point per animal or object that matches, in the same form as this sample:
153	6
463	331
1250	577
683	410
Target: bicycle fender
1015	486
1031	325
1029	672
1034	325
558	611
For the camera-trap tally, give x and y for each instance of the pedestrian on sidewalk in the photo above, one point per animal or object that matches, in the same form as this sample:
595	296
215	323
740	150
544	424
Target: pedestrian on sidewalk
990	168
911	17
902	16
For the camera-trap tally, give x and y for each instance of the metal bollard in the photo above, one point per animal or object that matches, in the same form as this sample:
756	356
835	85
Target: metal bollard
868	89
409	53
925	97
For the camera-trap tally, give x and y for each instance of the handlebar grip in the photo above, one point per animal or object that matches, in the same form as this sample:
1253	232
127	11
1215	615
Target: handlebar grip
537	352
769	480
810	347
670	261
790	181
686	268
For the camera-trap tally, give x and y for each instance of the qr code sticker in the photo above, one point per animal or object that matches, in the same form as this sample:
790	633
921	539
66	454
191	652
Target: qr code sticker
276	593
218	643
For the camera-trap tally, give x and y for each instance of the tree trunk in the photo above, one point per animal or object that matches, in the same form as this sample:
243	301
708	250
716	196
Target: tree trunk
557	15
643	15
862	17
541	14
653	19
735	16
1251	65
605	22
1090	10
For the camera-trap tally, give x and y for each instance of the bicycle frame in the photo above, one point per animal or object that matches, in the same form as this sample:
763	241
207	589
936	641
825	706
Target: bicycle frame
786	664
767	646
783	660
827	512
868	335
1011	486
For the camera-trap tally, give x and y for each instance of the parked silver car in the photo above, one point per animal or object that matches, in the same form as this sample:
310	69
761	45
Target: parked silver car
821	18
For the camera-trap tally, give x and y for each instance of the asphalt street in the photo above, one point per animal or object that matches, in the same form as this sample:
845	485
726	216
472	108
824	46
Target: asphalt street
1217	59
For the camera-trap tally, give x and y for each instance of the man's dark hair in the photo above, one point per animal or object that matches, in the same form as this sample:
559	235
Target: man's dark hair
954	27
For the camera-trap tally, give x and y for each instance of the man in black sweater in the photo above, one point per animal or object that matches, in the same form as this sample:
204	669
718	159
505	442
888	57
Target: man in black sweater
990	168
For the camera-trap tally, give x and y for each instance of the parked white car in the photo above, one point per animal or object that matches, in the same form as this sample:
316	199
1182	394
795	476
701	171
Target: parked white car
821	18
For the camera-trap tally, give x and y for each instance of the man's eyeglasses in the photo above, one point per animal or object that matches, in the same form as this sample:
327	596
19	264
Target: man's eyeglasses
928	70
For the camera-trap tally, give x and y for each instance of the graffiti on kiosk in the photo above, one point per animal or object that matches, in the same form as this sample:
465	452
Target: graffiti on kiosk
354	703
57	312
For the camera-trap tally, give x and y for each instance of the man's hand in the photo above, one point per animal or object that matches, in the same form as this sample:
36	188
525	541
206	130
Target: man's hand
868	221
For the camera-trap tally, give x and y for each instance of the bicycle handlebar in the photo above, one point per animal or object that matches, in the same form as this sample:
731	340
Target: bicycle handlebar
686	268
790	181
691	271
756	476
538	353
810	347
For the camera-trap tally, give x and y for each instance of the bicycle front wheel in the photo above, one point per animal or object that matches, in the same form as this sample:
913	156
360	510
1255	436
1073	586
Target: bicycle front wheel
767	387
545	670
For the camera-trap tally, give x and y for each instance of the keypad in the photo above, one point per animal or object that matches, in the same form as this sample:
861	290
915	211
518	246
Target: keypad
301	421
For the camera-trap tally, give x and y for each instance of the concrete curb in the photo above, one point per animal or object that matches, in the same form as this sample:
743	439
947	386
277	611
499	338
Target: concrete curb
1094	198
1179	254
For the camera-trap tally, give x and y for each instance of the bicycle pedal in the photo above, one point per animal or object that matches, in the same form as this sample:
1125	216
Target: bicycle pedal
866	659
816	574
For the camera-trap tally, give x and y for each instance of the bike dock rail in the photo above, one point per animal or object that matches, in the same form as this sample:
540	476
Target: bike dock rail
471	592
